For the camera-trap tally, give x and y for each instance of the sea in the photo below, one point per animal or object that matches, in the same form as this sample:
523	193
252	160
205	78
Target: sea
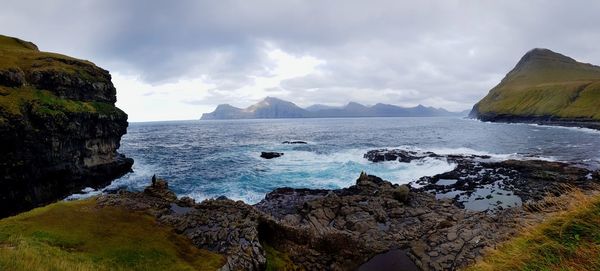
208	159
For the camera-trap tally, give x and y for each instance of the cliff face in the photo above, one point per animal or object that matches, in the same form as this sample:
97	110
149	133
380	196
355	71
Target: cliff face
545	87
59	126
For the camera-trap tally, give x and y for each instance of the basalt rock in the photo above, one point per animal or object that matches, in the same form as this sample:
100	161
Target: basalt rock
59	127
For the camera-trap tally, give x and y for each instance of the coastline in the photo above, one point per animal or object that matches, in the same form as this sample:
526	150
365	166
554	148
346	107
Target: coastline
540	120
358	226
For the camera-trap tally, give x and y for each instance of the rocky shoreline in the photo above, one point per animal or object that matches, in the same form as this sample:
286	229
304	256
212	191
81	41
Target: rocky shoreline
354	227
540	120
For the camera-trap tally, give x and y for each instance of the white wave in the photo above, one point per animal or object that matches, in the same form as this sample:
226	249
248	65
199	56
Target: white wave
468	151
577	129
138	179
85	193
342	168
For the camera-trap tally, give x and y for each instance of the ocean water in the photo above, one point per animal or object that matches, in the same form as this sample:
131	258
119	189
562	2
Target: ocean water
206	159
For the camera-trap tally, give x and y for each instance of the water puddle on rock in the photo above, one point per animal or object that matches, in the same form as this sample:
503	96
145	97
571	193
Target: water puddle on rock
446	182
393	260
486	198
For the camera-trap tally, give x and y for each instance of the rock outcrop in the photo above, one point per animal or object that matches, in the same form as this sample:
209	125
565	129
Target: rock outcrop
59	126
545	87
344	229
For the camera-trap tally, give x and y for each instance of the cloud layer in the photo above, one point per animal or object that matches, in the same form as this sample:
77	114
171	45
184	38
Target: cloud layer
194	55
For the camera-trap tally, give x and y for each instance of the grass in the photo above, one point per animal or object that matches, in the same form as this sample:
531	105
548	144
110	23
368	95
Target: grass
14	100
277	260
80	236
568	241
20	55
566	100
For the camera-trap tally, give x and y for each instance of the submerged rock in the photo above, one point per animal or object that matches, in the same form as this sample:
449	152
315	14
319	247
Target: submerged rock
270	155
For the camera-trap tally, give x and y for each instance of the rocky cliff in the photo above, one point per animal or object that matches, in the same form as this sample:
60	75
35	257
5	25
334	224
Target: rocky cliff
545	87
59	126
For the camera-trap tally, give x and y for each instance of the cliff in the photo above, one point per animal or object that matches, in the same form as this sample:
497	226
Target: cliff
59	126
545	87
273	108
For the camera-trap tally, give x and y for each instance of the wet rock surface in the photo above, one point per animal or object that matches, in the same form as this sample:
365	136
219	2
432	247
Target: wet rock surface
482	183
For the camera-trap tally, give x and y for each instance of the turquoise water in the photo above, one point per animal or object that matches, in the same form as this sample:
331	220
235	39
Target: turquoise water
205	159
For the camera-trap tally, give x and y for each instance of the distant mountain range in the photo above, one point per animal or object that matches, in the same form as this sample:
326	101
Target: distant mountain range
273	108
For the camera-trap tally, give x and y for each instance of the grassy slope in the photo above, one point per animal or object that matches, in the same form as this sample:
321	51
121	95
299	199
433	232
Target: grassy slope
20	55
79	236
547	85
567	241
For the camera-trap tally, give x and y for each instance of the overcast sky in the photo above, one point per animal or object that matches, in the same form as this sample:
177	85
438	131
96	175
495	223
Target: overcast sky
178	59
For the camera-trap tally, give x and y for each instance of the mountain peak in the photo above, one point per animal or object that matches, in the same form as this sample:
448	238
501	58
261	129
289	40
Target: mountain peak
271	99
543	55
354	104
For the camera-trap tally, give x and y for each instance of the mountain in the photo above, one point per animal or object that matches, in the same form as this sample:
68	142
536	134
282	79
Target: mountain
318	107
544	86
59	126
269	108
276	108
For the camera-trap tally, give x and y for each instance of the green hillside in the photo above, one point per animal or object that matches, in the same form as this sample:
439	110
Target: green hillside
21	61
545	84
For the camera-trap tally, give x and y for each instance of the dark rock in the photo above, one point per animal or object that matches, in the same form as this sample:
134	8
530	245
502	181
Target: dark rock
402	156
12	77
160	189
270	155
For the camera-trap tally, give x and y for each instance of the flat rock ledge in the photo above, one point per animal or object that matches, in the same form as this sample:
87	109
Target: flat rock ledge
342	229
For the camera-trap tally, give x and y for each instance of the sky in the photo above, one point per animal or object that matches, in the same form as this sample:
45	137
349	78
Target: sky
174	60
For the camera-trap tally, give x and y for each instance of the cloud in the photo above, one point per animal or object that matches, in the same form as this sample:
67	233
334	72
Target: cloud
440	53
